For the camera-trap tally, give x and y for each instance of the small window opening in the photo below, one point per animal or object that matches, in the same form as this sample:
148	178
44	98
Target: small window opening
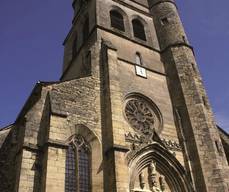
204	100
184	39
140	70
193	67
117	20
139	30
164	21
138	59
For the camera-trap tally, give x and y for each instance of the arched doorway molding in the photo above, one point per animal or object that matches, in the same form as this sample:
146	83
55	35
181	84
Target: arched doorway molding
167	165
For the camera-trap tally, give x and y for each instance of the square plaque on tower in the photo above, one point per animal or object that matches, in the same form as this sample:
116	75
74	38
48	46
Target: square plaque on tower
140	71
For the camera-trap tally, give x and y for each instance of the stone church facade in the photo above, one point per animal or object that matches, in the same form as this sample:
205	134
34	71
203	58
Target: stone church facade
129	114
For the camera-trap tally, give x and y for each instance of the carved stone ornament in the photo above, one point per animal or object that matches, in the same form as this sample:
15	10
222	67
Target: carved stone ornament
143	116
156	182
137	142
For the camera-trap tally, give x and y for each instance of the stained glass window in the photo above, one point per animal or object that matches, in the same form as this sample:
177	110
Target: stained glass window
70	170
77	176
84	171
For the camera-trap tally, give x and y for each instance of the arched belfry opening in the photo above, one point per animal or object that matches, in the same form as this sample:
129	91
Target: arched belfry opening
139	29
117	20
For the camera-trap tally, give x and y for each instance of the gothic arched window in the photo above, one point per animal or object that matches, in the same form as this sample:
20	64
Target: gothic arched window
77	167
139	29
117	20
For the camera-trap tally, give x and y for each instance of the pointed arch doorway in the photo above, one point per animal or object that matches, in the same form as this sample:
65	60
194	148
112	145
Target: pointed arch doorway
154	169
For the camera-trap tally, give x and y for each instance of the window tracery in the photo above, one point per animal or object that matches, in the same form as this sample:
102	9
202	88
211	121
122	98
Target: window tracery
143	116
77	176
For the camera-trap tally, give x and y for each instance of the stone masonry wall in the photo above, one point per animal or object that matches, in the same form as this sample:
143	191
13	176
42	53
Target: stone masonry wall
55	178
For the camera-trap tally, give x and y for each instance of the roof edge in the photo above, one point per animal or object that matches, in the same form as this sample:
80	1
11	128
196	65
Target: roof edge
223	131
7	127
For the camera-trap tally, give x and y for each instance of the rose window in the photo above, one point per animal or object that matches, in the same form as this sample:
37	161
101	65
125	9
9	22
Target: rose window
142	116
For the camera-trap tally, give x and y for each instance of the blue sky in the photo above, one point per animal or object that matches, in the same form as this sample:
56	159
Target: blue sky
32	32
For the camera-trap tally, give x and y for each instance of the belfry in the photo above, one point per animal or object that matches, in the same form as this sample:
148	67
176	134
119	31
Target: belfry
129	113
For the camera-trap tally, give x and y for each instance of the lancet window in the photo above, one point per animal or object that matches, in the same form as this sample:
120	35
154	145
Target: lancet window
77	167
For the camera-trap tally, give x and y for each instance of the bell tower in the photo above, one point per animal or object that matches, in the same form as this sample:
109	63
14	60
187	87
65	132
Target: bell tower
151	94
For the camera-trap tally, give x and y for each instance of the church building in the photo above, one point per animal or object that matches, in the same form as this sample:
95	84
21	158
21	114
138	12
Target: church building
129	113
